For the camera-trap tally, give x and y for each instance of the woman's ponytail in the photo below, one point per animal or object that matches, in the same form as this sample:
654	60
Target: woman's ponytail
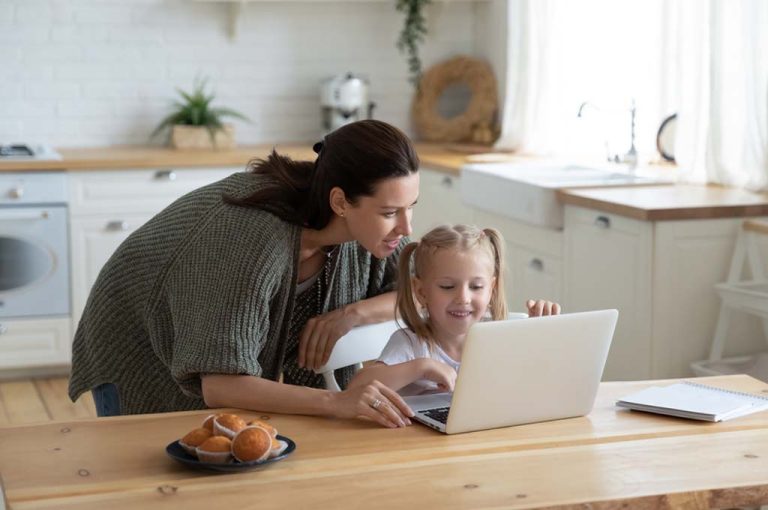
287	196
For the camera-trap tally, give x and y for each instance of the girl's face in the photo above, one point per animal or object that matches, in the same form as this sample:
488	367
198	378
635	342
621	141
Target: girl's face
456	289
380	221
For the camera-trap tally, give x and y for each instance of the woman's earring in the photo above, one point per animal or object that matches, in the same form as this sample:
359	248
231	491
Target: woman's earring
341	214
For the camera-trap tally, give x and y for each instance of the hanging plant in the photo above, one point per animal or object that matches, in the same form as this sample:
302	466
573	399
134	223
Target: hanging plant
414	30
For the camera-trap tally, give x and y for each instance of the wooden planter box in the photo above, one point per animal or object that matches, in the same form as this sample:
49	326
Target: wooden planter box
197	137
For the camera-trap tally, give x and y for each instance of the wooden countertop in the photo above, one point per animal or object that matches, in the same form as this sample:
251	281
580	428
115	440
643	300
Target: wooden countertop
126	157
612	458
677	202
649	203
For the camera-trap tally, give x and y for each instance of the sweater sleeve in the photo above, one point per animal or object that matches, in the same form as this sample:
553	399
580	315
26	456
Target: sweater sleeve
224	299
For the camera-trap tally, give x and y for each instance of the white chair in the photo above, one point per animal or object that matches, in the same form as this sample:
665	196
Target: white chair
364	343
361	344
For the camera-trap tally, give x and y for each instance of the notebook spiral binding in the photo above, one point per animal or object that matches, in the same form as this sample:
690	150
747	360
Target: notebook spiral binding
720	390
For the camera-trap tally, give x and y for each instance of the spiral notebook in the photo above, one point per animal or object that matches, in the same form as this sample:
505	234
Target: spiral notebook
694	401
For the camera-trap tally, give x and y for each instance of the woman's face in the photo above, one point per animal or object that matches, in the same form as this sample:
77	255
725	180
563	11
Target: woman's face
380	221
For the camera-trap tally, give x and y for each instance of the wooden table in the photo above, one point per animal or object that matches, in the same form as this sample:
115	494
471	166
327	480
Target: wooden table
612	458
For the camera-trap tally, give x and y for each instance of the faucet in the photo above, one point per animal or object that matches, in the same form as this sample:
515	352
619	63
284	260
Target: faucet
629	157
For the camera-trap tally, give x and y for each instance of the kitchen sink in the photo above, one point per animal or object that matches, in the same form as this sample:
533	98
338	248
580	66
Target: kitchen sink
528	191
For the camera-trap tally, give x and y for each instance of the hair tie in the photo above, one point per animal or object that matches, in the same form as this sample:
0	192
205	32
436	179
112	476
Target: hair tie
318	147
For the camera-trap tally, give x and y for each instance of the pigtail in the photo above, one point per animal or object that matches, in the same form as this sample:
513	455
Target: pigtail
406	303
498	304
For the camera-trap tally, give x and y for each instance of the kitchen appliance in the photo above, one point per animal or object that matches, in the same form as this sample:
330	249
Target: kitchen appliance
22	151
34	251
344	99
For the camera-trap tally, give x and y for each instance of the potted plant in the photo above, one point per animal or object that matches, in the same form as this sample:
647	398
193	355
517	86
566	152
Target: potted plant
195	124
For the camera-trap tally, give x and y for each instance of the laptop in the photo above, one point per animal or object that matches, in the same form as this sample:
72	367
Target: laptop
523	371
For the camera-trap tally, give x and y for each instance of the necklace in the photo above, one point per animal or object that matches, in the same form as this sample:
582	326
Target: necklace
323	279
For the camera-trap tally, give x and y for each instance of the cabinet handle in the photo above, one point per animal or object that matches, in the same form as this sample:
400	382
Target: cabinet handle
16	192
536	264
447	182
165	175
3	329
603	222
118	225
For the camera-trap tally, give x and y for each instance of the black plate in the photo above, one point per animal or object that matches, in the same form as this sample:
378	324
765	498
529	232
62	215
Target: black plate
176	452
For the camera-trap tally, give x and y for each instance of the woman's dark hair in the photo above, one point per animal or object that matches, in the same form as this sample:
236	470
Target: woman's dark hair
355	157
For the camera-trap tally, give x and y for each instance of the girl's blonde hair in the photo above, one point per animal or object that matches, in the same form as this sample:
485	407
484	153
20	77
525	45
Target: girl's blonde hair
462	237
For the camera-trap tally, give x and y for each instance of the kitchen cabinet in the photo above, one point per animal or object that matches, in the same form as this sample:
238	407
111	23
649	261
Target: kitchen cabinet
608	265
34	342
660	276
533	257
107	206
439	202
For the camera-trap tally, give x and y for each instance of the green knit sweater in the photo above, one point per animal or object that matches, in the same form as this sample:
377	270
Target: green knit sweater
203	287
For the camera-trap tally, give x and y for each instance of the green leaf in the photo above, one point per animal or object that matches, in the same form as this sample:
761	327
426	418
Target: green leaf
194	109
413	33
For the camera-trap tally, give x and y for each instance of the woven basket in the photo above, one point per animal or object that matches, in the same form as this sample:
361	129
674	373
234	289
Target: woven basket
477	122
198	137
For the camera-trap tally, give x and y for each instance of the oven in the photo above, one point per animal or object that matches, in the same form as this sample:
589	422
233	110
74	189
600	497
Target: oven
34	247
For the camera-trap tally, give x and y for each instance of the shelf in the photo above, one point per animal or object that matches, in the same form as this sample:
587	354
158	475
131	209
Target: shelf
236	7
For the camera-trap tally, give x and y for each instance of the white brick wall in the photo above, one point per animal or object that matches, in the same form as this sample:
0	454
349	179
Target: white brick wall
100	72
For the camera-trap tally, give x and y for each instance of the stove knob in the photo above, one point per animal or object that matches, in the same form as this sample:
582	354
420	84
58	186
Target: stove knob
16	192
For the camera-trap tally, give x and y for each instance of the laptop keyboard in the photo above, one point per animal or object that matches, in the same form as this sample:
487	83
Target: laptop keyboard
439	414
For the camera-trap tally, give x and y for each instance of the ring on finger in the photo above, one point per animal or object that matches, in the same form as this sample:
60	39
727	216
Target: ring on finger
376	403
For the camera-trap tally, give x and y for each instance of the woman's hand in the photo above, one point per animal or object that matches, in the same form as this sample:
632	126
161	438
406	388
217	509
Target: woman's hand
440	373
539	307
374	401
320	335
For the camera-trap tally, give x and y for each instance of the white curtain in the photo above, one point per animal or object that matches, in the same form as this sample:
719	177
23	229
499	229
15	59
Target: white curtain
722	134
705	60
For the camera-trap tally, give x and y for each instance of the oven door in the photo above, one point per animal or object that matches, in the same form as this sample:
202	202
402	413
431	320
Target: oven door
34	261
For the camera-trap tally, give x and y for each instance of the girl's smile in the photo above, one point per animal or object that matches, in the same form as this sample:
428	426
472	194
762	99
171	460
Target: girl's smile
456	290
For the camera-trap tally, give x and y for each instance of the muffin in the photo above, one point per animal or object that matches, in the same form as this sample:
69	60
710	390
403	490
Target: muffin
252	444
266	426
193	439
228	425
216	450
208	422
278	447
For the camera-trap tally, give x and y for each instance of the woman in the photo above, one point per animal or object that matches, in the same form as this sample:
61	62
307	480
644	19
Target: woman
253	279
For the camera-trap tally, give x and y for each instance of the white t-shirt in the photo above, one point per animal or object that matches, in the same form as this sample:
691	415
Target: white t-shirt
404	346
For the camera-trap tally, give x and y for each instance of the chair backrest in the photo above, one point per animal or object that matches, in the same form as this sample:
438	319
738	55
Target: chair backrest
360	344
364	343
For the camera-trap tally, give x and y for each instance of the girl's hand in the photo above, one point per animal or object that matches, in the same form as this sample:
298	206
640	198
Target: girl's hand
373	401
320	335
440	373
541	307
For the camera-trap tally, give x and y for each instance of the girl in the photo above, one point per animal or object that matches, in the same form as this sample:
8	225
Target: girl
456	280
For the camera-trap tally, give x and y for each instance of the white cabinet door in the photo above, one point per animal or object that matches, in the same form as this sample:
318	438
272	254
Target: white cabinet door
94	240
143	190
532	274
690	257
439	202
608	265
533	260
34	342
